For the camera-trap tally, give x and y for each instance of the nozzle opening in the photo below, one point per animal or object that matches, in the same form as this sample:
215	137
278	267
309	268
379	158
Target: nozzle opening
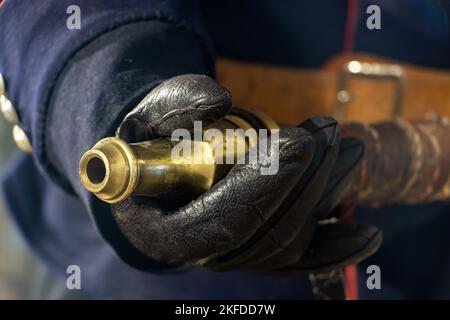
96	170
109	170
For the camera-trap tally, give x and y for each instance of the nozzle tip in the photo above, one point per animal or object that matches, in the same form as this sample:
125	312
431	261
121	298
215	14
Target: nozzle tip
109	170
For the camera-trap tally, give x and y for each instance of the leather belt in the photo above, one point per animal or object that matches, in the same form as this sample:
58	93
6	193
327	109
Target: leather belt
351	88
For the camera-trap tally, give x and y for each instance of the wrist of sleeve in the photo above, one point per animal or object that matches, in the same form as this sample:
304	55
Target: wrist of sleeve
105	80
101	84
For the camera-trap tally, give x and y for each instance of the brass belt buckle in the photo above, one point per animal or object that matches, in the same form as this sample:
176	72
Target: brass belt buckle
372	71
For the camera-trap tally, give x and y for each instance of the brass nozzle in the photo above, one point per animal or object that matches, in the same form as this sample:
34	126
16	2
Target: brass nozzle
110	170
114	170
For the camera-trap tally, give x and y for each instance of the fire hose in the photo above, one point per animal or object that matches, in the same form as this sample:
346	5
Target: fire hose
404	162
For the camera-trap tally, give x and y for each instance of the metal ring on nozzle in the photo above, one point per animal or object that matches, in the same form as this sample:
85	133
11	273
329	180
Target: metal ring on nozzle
109	170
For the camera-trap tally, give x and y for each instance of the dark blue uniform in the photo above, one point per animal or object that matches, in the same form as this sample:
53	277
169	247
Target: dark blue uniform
125	48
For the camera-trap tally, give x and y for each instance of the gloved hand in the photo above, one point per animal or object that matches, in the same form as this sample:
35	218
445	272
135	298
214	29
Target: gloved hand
248	221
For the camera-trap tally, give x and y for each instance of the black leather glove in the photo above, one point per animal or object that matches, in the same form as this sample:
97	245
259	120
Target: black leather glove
248	221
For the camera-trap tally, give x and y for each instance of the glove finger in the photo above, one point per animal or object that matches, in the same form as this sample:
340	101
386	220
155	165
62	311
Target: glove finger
340	180
284	227
175	104
335	246
289	254
343	177
223	218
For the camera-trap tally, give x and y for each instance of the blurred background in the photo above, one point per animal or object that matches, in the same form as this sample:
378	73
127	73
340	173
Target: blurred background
21	273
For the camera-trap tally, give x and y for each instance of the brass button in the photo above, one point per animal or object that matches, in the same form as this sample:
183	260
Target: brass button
2	85
8	110
21	139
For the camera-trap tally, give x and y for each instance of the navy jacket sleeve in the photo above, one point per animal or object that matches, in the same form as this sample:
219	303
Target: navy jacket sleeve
73	87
